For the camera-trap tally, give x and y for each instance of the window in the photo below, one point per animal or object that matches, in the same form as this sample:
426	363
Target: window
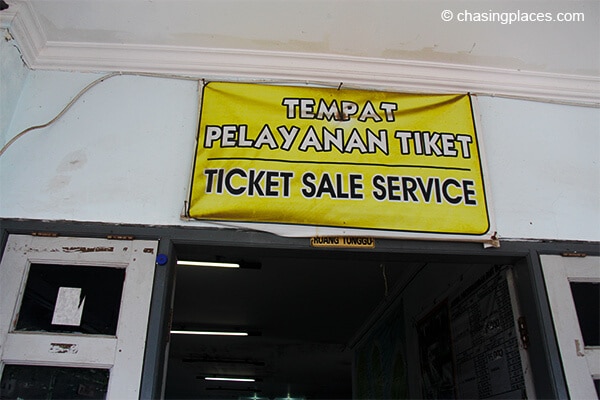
573	292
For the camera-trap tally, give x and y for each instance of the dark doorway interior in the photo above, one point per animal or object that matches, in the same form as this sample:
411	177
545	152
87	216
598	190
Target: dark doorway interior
322	321
302	309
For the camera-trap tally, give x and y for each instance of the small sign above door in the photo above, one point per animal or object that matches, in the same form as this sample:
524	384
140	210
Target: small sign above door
349	242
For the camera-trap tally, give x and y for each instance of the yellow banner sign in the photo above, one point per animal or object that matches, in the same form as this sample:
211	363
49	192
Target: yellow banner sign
339	158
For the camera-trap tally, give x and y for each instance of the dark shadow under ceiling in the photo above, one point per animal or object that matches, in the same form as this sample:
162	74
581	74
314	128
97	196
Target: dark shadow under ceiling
303	309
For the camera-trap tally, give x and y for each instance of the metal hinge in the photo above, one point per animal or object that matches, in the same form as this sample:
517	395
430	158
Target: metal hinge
523	333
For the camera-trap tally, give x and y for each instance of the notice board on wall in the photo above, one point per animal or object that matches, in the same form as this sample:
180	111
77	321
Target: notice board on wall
485	343
340	158
468	346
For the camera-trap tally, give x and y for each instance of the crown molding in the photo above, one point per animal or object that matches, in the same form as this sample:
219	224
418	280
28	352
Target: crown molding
7	16
22	23
293	67
396	75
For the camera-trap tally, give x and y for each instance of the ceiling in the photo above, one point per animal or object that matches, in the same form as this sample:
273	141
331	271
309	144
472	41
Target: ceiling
304	312
383	29
377	43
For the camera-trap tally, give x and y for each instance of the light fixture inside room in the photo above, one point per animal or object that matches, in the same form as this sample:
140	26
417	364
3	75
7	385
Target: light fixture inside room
208	333
228	379
208	264
254	397
219	262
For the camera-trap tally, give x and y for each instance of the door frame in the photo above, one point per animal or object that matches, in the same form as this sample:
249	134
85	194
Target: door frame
548	374
121	353
581	362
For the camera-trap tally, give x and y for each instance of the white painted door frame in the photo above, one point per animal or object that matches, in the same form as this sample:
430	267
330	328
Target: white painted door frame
122	353
581	364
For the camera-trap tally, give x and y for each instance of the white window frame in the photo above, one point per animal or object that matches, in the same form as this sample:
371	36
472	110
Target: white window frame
122	353
581	364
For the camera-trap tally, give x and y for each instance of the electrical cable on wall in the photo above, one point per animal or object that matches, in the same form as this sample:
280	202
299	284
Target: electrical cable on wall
78	96
113	74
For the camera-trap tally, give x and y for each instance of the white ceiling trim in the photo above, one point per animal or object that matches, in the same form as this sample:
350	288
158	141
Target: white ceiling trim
25	28
245	65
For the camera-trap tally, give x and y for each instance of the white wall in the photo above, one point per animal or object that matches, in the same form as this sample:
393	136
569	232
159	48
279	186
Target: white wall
13	75
124	152
121	154
543	166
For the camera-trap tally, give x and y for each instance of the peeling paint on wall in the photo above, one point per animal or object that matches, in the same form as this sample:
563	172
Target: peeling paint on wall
83	249
63	348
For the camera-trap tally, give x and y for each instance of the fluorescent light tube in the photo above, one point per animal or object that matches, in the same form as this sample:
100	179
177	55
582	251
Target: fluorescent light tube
208	264
209	333
229	379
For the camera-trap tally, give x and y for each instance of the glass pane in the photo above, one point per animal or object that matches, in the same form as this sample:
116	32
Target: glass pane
33	382
586	296
71	299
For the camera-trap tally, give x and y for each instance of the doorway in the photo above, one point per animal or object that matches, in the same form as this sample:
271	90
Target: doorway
299	309
316	324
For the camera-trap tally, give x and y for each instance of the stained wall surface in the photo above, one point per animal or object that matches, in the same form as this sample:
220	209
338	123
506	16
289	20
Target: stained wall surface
124	152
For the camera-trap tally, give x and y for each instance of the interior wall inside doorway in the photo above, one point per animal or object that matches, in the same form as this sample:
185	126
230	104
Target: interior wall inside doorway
310	314
301	309
450	333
